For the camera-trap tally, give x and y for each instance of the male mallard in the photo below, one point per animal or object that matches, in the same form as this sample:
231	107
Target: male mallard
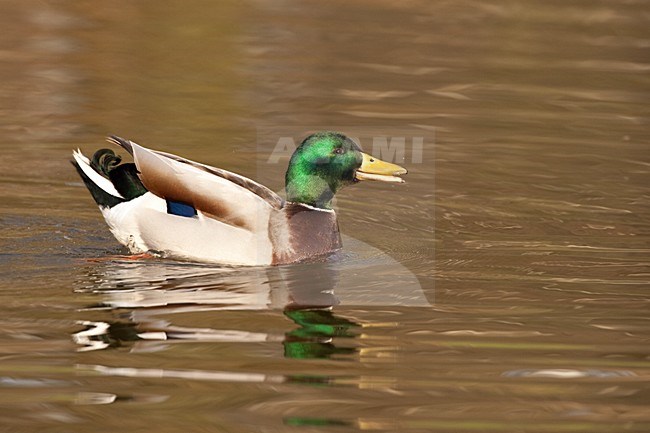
192	211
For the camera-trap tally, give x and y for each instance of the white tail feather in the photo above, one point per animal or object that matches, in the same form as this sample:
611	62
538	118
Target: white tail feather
96	178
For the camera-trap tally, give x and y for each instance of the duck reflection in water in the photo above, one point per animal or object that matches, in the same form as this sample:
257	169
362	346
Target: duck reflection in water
142	296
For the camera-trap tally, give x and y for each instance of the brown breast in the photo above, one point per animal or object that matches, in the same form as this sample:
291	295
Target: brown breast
300	232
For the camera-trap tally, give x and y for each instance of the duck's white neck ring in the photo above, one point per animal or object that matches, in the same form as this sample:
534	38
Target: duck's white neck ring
313	207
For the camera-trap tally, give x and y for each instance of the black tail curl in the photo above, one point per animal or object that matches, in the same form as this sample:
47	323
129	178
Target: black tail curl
104	161
124	178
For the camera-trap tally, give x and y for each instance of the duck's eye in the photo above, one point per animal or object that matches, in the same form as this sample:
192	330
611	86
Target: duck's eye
339	151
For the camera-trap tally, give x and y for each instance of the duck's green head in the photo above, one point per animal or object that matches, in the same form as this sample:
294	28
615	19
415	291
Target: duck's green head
327	161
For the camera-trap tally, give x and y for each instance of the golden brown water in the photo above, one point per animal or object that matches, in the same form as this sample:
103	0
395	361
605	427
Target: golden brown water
504	288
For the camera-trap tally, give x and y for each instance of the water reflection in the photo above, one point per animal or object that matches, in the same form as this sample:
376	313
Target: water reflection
314	338
144	296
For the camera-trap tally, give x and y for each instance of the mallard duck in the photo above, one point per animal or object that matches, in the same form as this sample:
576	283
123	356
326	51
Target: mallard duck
187	210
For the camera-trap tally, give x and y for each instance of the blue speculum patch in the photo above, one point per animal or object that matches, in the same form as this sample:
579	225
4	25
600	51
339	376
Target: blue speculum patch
180	209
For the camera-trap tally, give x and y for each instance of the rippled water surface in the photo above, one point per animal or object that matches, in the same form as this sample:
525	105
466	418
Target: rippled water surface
504	287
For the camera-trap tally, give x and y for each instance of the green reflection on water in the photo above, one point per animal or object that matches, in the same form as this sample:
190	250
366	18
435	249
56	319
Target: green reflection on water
313	339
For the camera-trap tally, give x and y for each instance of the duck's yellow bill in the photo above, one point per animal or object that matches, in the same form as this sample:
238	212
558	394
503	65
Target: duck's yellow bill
376	169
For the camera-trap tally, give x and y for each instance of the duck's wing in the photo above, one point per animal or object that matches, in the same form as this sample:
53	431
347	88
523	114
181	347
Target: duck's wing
217	193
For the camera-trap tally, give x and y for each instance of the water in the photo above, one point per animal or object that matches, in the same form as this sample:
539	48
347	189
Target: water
503	288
